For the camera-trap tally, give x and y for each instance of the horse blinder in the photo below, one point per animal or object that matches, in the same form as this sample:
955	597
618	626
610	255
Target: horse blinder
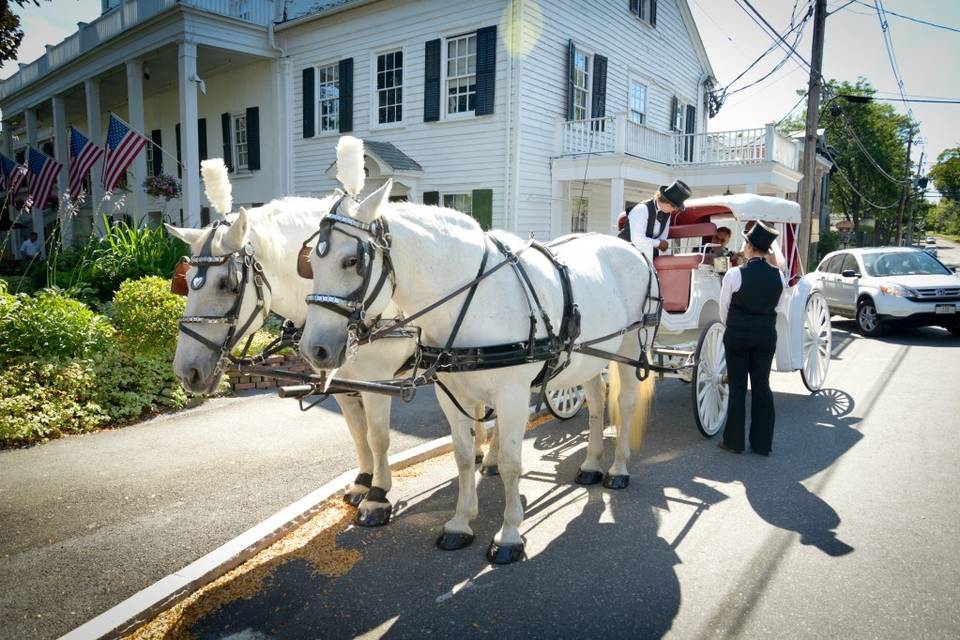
178	284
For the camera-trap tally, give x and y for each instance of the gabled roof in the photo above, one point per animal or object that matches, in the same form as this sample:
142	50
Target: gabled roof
389	160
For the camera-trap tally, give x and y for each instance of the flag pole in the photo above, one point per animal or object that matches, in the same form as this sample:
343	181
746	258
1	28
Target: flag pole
145	137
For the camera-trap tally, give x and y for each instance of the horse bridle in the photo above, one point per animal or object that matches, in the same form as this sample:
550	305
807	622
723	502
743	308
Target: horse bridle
354	305
242	261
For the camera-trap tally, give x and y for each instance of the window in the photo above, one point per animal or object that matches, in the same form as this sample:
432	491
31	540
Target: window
150	153
678	117
462	74
390	87
578	215
462	202
642	9
833	264
849	263
328	97
581	85
637	102
240	148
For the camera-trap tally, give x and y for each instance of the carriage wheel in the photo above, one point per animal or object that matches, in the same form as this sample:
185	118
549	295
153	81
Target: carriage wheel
711	390
566	402
817	342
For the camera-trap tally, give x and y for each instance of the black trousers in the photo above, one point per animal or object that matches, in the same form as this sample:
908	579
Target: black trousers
750	349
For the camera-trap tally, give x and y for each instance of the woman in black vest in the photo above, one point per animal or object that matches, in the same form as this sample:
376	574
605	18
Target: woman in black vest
748	303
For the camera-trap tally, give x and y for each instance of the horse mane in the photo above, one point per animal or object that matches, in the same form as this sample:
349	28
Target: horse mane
433	217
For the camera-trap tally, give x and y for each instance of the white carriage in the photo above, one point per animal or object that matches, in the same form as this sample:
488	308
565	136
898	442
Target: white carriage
689	341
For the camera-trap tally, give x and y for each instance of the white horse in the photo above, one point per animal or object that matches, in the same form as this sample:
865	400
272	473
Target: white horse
274	233
434	251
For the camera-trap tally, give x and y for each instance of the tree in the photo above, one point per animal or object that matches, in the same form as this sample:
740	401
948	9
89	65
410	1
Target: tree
867	143
946	173
11	35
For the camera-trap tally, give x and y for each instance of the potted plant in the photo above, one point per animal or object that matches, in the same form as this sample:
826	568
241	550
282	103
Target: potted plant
162	186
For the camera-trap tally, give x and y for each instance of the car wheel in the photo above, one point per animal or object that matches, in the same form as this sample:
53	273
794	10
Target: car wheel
868	321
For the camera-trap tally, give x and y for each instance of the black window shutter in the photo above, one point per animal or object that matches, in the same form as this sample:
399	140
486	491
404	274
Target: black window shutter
483	207
431	197
179	157
635	7
346	95
486	70
653	13
674	103
599	103
571	62
253	138
227	146
691	119
309	121
20	155
157	167
431	82
204	216
47	148
202	138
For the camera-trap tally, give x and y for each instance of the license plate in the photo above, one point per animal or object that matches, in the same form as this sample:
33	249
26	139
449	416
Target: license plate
946	308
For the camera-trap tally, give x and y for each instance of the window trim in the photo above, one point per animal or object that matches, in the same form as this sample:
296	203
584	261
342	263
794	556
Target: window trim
645	19
234	142
149	157
374	92
590	55
468	193
635	79
444	88
318	131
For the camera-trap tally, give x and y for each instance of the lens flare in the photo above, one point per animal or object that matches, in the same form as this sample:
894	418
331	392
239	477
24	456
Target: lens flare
521	26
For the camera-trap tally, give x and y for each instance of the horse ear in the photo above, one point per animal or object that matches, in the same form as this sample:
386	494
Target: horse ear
367	210
236	233
190	236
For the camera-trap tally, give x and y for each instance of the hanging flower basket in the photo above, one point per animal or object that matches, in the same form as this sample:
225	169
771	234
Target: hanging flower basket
162	186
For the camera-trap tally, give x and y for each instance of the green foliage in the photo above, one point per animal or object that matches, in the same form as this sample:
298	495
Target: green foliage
944	218
829	241
946	173
146	313
49	324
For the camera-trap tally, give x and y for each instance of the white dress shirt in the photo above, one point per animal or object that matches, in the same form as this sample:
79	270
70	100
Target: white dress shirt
638	230
732	281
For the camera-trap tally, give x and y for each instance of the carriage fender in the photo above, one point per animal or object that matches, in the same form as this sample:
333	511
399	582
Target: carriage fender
790	316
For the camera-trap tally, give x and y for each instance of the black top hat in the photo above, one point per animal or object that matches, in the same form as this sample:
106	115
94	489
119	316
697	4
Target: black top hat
761	236
676	194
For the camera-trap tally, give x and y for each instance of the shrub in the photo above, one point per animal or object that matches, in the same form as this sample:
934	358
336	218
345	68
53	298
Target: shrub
129	252
829	241
146	313
49	325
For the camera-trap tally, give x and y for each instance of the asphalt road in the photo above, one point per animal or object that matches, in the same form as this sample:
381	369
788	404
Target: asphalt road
948	252
88	521
849	530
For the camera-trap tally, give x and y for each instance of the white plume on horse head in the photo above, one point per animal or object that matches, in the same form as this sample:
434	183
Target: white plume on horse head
216	183
350	164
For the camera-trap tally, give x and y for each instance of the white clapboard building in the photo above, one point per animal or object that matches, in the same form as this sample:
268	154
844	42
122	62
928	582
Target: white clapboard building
538	116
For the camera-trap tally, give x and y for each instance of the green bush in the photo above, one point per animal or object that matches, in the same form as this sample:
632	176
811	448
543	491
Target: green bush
128	252
146	312
829	241
49	325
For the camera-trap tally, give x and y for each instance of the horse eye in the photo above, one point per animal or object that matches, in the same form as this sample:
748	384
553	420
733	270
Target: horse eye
350	263
223	284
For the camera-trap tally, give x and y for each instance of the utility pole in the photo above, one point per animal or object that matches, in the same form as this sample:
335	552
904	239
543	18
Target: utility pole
906	187
809	168
913	201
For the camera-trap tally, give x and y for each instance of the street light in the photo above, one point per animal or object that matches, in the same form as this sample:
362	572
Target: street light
835	109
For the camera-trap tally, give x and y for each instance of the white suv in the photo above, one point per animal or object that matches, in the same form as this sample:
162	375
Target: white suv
889	285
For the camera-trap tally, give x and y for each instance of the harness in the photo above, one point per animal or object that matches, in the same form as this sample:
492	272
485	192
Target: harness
243	268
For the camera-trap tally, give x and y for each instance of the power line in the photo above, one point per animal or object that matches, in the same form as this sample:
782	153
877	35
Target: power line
888	43
843	174
863	148
767	28
910	18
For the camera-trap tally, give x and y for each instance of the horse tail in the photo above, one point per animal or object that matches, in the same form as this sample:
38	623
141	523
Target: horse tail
350	164
642	406
216	184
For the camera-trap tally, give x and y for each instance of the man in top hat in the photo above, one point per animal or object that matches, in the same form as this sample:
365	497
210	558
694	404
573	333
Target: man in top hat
648	223
748	307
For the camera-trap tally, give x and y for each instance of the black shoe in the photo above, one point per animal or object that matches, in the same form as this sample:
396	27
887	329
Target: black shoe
723	445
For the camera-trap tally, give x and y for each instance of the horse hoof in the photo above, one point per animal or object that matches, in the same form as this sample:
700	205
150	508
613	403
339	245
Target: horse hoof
478	459
589	477
453	541
354	499
375	517
490	470
616	482
504	554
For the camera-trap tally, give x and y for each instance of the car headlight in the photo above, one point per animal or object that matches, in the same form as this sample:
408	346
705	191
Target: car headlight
898	291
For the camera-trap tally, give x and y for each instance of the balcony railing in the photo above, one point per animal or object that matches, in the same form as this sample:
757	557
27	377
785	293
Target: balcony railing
618	135
127	14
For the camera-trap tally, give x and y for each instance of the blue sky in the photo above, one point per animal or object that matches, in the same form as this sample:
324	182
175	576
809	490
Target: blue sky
928	58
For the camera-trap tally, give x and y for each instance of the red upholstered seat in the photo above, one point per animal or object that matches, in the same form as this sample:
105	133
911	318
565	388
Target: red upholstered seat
699	230
675	273
671	263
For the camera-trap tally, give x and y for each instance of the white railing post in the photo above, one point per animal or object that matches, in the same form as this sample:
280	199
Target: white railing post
620	133
771	140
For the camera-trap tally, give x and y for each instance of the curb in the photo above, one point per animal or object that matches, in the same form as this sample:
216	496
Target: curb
161	595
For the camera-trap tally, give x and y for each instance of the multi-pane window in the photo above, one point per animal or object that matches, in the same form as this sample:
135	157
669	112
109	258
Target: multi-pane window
328	97
462	202
638	102
581	85
240	141
641	9
578	215
390	87
462	74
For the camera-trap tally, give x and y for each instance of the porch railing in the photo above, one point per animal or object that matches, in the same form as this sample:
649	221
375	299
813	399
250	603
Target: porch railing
128	14
617	134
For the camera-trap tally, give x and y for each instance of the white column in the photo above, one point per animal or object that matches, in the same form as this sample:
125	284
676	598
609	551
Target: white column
30	117
95	134
14	234
61	150
282	164
137	203
190	200
617	198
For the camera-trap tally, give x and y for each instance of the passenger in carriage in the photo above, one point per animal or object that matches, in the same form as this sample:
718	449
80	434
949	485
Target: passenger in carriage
718	244
648	223
748	302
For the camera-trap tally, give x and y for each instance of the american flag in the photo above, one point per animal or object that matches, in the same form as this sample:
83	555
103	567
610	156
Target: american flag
42	173
123	145
83	155
11	175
